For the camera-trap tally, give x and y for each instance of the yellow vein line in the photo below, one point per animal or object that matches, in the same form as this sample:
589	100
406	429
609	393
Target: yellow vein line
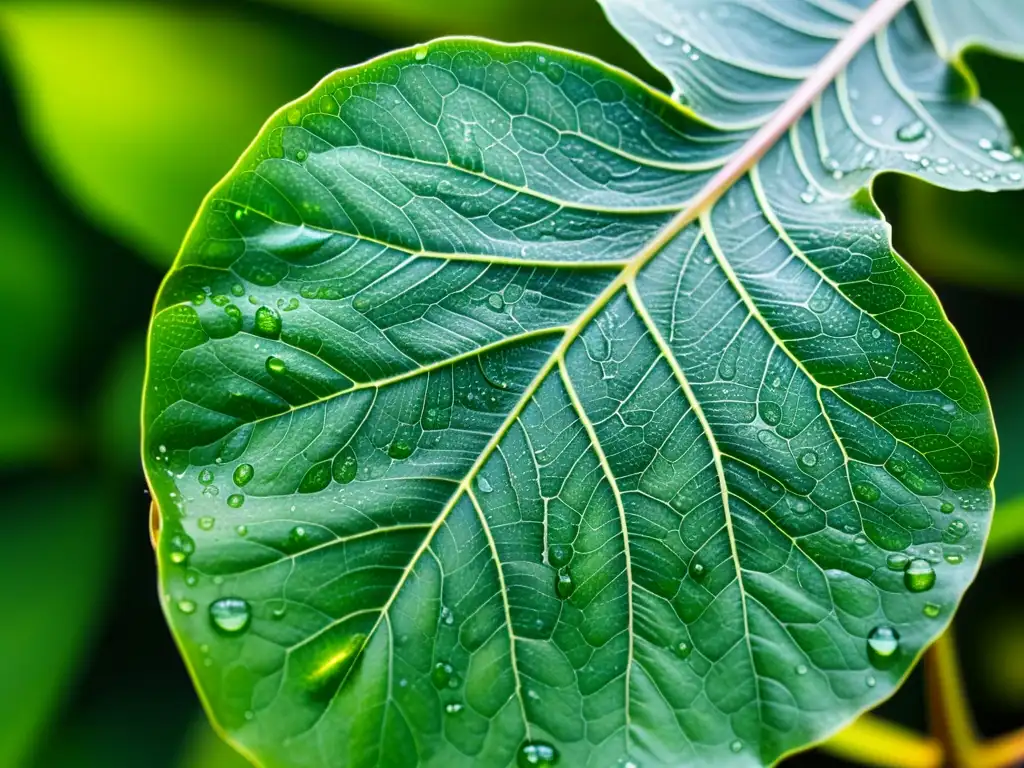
504	601
716	455
610	477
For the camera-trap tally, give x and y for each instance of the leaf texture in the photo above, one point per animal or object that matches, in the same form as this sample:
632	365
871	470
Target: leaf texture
501	410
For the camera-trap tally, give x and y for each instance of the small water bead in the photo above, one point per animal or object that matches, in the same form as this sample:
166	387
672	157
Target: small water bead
537	754
453	709
801	669
883	642
946	508
913	131
955	531
483	484
297	537
181	547
205	477
876	333
1000	156
931	610
736	746
897	561
442	674
206	523
919	576
954	558
242	530
230	615
663	38
682	649
697	570
421	53
238	289
809	458
276	366
243	474
800	506
211	491
564	584
235	500
496	302
870	681
559	555
877	119
187	607
301	155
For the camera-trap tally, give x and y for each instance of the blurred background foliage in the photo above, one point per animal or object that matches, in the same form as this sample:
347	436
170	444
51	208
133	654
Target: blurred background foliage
120	116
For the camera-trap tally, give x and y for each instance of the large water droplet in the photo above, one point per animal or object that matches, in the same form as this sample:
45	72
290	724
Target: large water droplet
883	643
276	366
537	754
496	302
955	531
919	576
946	508
268	323
235	500
230	615
243	474
559	555
564	584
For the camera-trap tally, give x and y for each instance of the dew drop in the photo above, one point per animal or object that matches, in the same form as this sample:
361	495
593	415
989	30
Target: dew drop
181	547
870	681
946	508
230	615
664	38
897	561
697	570
496	302
537	754
736	746
206	523
809	458
931	610
205	477
236	500
682	649
268	323
186	606
1000	156
801	669
883	643
276	366
242	530
301	155
559	555
400	449
243	474
954	558
453	709
421	53
564	585
955	531
877	119
442	674
484	485
919	576
914	131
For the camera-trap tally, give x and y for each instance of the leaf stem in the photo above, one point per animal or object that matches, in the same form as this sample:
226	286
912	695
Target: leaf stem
871	740
949	713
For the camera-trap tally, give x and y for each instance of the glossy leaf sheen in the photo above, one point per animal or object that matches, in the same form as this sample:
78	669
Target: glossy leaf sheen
524	473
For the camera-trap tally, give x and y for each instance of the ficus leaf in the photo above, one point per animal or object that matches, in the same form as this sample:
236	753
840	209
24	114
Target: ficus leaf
502	411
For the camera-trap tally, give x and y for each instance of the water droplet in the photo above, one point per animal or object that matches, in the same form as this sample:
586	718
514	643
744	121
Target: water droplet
801	669
883	642
243	474
870	681
946	508
276	366
496	302
242	530
400	449
181	547
697	570
559	555
897	561
955	531
877	119
294	116
808	196
809	458
931	610
230	615
205	477
876	333
206	523
664	38
914	131
301	155
453	709
421	53
236	500
483	484
564	585
919	576
736	746
296	538
1000	156
537	754
954	558
682	649
268	322
442	674
238	289
866	492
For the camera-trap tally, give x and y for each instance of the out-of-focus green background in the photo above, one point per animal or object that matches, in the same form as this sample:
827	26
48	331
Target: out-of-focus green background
115	119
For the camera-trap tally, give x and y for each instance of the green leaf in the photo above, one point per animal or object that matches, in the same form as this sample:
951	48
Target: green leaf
48	618
498	407
138	108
